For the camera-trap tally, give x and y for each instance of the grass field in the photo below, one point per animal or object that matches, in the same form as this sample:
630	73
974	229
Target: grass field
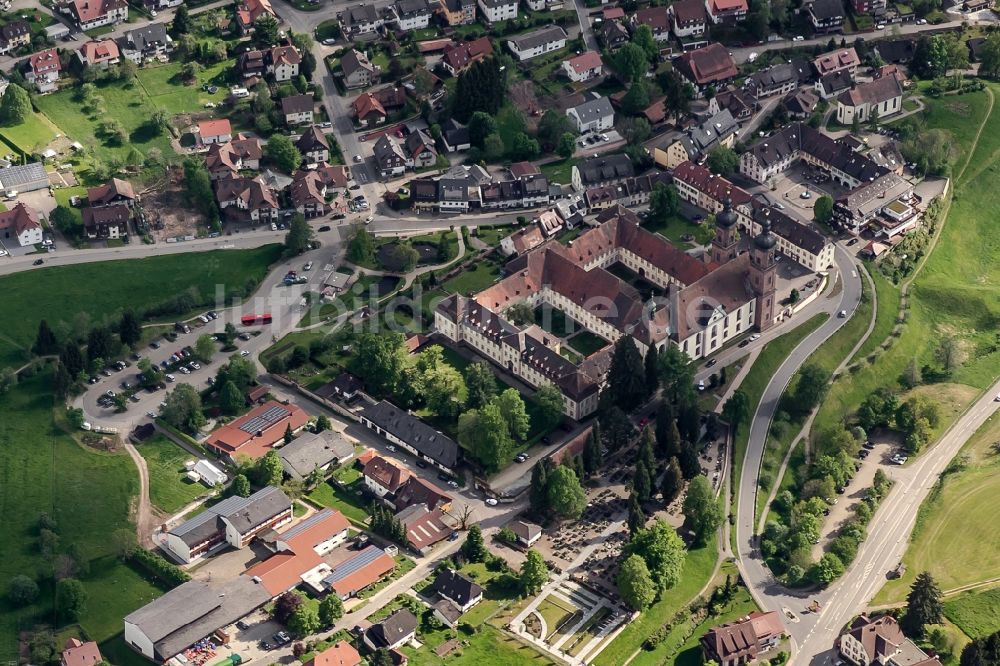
169	489
697	572
32	135
489	646
326	494
88	494
560	171
98	291
975	613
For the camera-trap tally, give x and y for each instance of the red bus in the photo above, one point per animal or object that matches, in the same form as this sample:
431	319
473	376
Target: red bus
254	319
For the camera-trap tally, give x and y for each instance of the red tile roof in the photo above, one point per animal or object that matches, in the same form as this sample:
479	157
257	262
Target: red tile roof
467	53
234	440
90	10
213	128
340	653
98	52
386	473
20	219
586	61
365	105
708	64
78	653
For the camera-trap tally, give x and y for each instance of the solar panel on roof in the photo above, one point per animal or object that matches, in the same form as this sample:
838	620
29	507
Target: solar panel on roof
345	569
265	420
193	523
306	524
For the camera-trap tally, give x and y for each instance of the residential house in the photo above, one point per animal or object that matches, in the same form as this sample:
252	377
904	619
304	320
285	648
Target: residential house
248	11
775	80
99	54
415	490
314	146
149	42
389	157
584	67
537	42
696	142
358	572
157	5
601	170
226	160
880	98
90	14
311	451
412	434
420	150
873	7
78	653
526	533
14	35
629	193
458	57
424	527
826	15
235	521
359	20
741	106
497	10
424	194
411	14
457	194
457	12
689	19
896	51
358	71
250	64
521	241
836	61
336	176
247	200
727	11
340	653
42	69
110	222
614	35
382	477
833	84
392	632
368	111
457	589
455	136
297	109
307	192
597	115
801	103
708	66
259	430
881	641
20	224
115	191
741	642
282	62
658	20
217	130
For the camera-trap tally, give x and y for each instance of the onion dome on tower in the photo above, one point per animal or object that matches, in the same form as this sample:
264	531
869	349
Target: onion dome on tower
727	218
765	240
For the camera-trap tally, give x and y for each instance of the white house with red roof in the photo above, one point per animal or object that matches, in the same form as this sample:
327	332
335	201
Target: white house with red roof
727	11
584	67
99	54
20	224
248	11
217	130
43	69
283	62
90	14
78	653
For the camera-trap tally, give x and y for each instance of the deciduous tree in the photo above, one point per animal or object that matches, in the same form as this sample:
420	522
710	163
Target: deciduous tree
565	496
662	550
701	508
183	409
635	584
480	383
534	573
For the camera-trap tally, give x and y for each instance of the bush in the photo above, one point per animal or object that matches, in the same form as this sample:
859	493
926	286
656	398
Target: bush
157	567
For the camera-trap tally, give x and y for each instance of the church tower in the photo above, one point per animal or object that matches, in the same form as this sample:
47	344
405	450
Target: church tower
763	272
726	233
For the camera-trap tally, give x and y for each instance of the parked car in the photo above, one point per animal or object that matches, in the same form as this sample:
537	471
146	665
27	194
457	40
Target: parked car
711	363
490	501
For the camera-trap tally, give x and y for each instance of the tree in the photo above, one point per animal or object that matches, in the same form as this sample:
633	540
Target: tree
382	657
480	383
269	471
474	547
182	408
631	62
493	147
71	358
239	371
564	494
265	31
182	22
100	344
63	219
481	87
809	389
198	185
678	93
331	609
534	573
22	591
616	429
285	605
923	605
635	584
15	105
701	508
553	126
521	314
523	147
204	348
593	456
566	146
983	651
673	481
304	620
643	37
481	125
930	57
662	550
828	569
823	209
323	423
241	487
380	359
514	413
989	57
538	498
664	202
484	433
549	400
129	329
283	153
45	340
361	247
723	160
299	236
231	399
71	599
641	485
637	97
626	383
736	409
636	517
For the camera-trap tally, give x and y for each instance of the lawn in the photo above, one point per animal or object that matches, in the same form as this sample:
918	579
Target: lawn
326	494
489	646
510	123
71	297
44	470
975	613
587	343
560	171
690	653
673	228
698	568
556	613
32	135
169	489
